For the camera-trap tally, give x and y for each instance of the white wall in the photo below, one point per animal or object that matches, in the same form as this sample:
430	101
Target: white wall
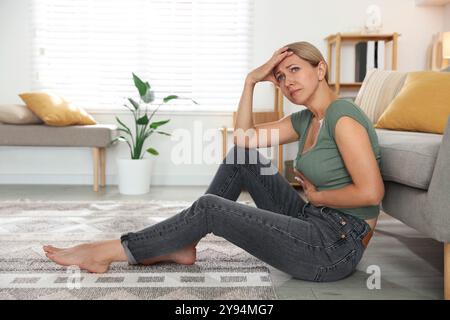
276	23
447	18
15	46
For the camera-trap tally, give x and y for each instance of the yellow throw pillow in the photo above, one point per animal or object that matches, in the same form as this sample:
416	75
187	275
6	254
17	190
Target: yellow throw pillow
422	105
54	110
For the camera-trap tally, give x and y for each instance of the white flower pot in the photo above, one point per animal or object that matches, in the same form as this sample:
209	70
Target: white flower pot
134	175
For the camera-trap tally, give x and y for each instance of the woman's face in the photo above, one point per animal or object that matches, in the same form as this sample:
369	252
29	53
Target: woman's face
297	78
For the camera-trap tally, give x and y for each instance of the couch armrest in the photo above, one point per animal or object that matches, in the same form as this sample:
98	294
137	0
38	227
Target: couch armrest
439	190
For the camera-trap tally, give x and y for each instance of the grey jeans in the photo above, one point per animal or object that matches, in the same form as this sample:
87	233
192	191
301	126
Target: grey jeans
307	242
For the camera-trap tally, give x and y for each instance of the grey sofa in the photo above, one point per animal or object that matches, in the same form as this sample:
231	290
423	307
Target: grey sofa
416	172
98	137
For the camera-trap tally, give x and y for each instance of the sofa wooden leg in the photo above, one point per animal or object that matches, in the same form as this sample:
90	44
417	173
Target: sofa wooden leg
224	142
447	271
96	158
103	166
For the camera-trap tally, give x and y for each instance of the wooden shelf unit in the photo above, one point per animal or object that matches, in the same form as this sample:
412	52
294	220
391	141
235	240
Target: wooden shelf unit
347	85
339	38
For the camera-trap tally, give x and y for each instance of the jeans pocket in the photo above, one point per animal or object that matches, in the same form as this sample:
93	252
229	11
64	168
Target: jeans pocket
340	222
339	270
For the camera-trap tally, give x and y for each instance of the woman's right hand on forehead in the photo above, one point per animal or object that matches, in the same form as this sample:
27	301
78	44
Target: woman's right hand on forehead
265	71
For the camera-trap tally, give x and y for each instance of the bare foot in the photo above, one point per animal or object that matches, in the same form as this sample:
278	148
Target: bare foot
186	256
96	257
51	249
93	257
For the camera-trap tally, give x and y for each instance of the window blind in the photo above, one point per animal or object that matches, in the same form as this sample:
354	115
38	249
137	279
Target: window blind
86	50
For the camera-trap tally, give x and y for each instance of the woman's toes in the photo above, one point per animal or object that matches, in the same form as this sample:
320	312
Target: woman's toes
61	260
80	257
51	249
49	255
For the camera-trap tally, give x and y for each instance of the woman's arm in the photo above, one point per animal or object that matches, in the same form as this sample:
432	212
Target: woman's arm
244	115
346	197
246	134
356	150
260	135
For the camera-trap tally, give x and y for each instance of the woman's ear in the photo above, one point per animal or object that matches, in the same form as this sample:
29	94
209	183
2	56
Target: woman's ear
322	70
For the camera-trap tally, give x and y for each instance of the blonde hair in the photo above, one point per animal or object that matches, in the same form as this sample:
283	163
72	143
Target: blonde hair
308	52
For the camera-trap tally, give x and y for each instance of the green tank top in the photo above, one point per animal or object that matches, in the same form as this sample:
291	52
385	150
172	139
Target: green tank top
323	164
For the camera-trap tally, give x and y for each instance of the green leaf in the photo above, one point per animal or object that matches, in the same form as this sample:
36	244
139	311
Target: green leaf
114	140
122	138
149	97
156	124
152	151
162	132
123	130
171	97
140	85
123	124
168	98
134	103
128	107
143	120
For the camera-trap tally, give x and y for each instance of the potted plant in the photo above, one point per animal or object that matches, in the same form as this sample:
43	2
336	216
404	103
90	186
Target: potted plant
135	172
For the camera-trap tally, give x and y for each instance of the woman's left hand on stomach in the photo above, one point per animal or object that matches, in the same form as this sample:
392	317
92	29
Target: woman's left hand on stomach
309	189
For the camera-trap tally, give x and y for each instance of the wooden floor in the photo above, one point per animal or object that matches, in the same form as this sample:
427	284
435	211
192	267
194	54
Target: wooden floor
411	265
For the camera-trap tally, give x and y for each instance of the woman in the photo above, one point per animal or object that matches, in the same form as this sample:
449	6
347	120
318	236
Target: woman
322	239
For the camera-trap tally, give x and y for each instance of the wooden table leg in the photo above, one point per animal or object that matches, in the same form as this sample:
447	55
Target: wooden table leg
330	57
224	142
394	51
103	166
338	65
447	271
96	158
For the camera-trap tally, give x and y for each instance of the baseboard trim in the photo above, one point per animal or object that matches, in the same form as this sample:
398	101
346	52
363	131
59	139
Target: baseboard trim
87	179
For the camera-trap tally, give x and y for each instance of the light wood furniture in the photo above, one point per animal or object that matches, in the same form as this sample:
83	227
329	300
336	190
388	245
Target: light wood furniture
261	117
447	271
99	162
435	59
98	137
339	38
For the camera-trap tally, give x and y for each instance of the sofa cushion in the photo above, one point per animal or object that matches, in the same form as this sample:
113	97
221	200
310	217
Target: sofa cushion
55	110
17	114
99	135
421	105
408	157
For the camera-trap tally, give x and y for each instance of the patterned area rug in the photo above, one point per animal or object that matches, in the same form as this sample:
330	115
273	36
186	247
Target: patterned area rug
222	270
